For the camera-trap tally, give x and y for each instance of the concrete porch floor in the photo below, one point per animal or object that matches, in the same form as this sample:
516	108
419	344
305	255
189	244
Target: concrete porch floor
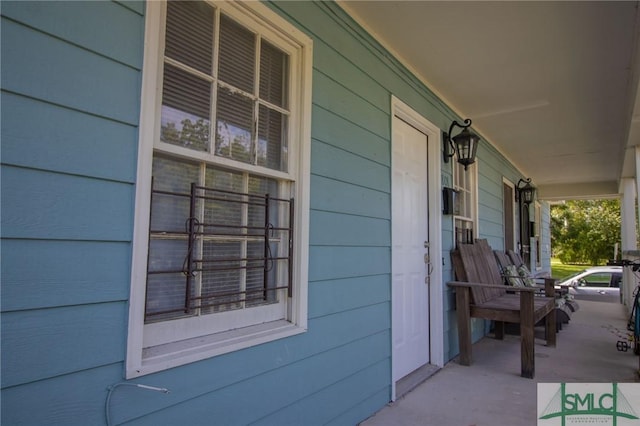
491	391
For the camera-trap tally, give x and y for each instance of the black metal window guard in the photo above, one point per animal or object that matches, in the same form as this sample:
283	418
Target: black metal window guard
199	262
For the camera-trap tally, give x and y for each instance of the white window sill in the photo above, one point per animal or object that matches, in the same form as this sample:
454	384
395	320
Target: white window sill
162	357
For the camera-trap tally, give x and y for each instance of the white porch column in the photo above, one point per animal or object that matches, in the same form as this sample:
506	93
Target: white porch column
628	213
628	233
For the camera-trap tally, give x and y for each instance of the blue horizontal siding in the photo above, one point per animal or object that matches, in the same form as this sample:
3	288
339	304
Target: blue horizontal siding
70	104
336	229
284	387
341	165
44	136
493	233
45	273
135	5
453	348
449	300
44	205
335	97
339	68
345	262
335	196
74	399
365	409
489	210
491	192
45	343
43	67
492	170
86	24
447	266
194	381
332	129
334	296
351	392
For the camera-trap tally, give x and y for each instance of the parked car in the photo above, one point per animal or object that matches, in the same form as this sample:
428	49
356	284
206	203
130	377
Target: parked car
598	283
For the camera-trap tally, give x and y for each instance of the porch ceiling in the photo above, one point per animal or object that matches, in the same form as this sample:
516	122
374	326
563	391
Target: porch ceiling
553	85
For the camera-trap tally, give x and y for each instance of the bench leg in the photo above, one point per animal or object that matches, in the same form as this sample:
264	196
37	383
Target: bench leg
550	323
498	327
464	324
527	335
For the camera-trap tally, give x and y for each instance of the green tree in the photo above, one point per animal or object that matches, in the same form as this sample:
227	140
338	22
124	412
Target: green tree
193	135
585	231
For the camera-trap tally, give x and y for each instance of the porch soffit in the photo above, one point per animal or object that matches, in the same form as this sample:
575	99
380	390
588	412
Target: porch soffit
552	85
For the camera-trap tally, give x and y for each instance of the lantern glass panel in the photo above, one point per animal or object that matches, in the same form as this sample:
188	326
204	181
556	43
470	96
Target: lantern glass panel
527	194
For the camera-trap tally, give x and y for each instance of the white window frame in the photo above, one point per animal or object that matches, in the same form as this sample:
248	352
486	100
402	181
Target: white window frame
472	174
513	218
185	346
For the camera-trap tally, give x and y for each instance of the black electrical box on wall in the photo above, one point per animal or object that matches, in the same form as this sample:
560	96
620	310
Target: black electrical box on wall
448	200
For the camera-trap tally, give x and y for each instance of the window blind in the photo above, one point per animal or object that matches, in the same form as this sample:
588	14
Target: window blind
237	57
189	34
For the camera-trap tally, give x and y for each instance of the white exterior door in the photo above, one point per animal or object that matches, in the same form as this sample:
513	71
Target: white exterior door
410	250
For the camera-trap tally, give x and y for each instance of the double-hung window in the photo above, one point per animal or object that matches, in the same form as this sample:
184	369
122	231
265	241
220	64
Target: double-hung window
465	210
220	244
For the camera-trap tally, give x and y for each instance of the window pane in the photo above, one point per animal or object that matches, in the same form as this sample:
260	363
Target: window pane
237	55
262	186
189	37
256	287
465	204
273	74
466	207
221	212
224	283
167	255
168	241
272	146
186	103
598	280
169	212
234	124
165	292
166	283
464	231
224	179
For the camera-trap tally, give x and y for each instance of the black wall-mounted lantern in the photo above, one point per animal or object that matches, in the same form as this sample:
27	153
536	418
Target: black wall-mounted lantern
526	192
465	144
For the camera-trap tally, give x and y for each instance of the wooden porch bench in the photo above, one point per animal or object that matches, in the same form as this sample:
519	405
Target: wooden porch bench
481	294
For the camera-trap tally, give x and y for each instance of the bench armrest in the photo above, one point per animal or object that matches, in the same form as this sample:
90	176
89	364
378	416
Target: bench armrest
499	287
